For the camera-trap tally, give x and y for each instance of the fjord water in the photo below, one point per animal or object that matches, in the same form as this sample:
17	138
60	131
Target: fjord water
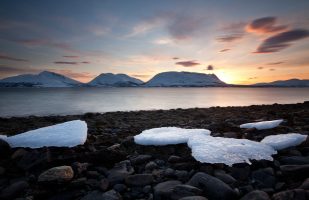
64	101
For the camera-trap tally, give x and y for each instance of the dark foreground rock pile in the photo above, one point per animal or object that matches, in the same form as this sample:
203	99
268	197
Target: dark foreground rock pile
110	166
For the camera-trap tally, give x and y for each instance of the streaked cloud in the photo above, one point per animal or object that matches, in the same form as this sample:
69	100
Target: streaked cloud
183	27
230	38
275	63
4	56
189	63
70	62
281	41
65	63
6	71
70	56
265	25
224	50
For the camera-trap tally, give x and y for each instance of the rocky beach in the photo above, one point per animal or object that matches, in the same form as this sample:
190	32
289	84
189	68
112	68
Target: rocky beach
110	166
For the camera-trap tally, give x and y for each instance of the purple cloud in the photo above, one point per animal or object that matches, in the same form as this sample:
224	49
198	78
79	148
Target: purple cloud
265	25
281	41
189	63
210	67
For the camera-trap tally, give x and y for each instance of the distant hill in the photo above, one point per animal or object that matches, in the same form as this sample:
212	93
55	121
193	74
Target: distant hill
43	79
184	79
114	80
286	83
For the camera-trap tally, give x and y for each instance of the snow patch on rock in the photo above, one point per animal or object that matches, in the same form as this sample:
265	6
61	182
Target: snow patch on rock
283	141
263	125
68	134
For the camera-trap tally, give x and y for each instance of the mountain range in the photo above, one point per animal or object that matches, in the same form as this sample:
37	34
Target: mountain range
164	79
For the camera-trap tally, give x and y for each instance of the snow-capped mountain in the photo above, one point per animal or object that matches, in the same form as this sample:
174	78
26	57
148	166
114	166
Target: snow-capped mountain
184	79
114	80
43	79
286	83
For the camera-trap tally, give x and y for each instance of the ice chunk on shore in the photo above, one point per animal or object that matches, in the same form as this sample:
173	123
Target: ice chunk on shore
208	149
205	148
283	141
167	135
66	134
263	125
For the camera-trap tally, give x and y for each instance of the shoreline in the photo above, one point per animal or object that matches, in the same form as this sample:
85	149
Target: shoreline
111	164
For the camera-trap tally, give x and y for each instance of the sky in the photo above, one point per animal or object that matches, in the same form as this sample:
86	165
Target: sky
241	41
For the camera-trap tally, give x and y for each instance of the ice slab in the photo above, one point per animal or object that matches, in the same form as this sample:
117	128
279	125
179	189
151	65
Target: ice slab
283	141
167	135
68	134
263	125
208	149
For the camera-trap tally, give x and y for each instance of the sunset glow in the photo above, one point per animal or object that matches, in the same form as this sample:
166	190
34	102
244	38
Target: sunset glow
245	42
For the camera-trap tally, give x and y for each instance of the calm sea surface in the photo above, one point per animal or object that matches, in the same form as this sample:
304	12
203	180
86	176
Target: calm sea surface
63	101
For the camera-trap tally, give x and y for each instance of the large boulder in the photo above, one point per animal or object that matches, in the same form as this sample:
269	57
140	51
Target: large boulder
180	191
59	174
5	149
212	187
14	190
164	190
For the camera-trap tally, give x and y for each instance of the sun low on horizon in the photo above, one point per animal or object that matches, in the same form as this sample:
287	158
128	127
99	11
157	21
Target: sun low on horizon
242	42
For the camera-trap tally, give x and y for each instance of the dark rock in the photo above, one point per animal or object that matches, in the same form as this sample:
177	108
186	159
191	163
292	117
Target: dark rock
120	171
104	183
295	160
297	171
305	185
78	183
169	172
33	159
79	168
175	159
256	195
140	159
93	174
181	175
14	190
147	189
151	166
2	170
213	187
180	191
5	149
194	198
139	179
57	175
264	178
226	178
120	188
97	195
296	194
93	183
164	190
231	135
240	173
